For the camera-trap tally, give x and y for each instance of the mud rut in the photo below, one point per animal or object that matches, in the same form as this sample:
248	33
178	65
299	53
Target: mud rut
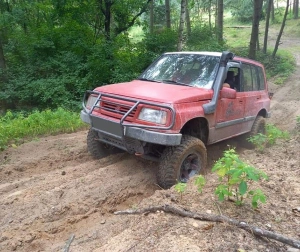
51	188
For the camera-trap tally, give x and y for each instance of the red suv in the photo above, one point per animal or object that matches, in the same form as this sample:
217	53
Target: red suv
179	104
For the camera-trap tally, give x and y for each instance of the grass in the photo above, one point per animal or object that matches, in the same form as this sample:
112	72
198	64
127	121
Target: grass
15	127
284	63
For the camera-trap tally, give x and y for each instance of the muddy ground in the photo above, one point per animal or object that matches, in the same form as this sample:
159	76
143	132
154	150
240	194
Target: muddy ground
52	189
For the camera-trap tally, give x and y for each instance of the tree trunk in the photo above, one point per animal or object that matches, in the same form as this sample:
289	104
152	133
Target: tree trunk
152	16
105	8
270	3
296	9
220	21
273	12
255	28
188	19
209	15
181	25
168	13
2	57
281	29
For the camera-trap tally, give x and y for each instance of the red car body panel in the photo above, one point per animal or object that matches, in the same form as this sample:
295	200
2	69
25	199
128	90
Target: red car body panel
157	92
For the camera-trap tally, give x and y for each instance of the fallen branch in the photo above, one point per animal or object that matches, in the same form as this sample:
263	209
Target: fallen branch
215	218
68	244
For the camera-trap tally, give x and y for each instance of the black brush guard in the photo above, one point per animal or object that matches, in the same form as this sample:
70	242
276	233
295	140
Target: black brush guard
127	136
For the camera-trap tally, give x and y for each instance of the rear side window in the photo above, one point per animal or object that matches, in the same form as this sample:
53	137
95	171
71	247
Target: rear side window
261	79
253	78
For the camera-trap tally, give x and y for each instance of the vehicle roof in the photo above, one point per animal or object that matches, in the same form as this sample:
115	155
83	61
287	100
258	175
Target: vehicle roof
197	52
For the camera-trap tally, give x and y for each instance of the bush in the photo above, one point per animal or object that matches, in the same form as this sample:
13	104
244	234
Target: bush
203	38
272	135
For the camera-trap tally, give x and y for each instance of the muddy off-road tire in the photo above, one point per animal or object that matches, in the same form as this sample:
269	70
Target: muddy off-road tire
179	163
259	126
96	148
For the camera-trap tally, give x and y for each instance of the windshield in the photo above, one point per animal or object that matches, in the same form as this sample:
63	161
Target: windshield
184	69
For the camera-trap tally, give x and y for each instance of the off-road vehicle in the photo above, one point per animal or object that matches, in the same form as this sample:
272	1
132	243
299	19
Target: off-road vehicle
176	107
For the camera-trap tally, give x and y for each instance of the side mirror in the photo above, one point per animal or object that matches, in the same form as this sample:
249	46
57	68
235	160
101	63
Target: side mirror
228	93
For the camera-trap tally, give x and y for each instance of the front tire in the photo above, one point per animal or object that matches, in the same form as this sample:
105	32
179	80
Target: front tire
97	148
180	163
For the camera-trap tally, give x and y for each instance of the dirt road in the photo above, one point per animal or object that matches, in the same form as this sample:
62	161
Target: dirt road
51	188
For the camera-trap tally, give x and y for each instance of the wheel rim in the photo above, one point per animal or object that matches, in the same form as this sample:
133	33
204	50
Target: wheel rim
190	166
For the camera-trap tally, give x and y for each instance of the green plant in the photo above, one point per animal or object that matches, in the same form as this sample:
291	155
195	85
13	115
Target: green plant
14	127
180	188
273	133
237	177
200	183
259	141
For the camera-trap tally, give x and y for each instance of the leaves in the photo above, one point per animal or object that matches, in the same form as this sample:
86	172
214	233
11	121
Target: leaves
200	182
180	187
236	176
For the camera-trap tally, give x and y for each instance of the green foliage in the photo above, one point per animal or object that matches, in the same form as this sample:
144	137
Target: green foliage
259	141
161	41
237	177
241	10
272	134
16	126
282	66
203	38
200	183
180	188
257	195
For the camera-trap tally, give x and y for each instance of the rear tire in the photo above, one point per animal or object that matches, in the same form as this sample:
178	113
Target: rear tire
180	163
259	126
97	148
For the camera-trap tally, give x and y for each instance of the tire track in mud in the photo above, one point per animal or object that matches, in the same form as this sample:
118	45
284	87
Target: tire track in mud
59	189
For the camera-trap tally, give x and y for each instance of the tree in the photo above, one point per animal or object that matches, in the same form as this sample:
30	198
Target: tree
220	14
168	13
281	29
188	19
181	25
296	9
257	4
124	15
270	3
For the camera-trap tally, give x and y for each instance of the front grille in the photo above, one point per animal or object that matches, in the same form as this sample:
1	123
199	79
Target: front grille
117	109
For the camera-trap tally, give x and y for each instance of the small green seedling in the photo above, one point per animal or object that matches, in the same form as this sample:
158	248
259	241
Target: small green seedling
235	177
180	188
200	183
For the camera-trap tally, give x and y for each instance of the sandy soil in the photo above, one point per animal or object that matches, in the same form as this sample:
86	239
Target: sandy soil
52	189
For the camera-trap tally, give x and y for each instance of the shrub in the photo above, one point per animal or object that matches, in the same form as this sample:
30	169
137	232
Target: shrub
237	178
16	126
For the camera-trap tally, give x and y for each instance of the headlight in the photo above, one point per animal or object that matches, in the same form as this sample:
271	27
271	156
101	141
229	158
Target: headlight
91	101
153	115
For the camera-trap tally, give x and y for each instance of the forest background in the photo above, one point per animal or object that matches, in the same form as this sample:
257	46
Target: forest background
51	51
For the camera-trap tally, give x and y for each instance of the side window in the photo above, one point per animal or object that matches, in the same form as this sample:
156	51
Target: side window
253	78
247	78
261	78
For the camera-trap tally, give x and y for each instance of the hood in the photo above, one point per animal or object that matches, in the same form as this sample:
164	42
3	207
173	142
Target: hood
158	92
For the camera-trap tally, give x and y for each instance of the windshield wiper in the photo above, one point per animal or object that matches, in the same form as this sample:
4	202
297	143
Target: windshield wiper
145	79
174	82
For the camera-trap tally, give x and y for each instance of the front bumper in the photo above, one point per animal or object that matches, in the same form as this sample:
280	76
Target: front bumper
120	133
